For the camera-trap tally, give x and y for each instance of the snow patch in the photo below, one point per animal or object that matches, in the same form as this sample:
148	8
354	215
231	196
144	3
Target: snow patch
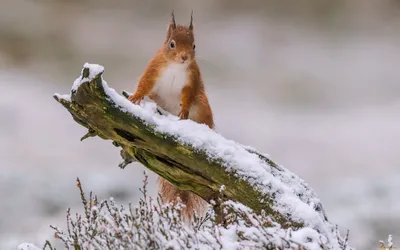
27	246
94	70
64	97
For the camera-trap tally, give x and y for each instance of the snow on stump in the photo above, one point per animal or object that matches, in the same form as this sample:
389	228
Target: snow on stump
194	157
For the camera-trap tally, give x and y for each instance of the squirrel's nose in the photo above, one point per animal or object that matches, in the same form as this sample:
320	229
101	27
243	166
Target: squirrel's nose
184	57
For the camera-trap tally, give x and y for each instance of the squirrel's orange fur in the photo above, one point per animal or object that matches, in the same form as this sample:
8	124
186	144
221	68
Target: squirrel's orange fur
173	80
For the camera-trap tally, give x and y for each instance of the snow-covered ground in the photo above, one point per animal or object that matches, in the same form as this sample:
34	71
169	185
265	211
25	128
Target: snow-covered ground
41	156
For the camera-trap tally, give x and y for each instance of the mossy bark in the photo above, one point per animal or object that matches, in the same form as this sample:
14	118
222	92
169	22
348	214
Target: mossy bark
186	167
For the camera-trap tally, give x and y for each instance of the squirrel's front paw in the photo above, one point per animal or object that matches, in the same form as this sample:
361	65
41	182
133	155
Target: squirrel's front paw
135	99
183	114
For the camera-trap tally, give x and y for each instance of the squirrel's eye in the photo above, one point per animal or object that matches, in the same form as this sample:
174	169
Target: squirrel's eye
172	44
194	46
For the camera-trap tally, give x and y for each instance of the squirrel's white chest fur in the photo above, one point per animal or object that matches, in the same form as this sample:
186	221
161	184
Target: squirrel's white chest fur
169	86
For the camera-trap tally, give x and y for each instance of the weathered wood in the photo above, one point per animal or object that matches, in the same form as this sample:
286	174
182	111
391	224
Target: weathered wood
186	167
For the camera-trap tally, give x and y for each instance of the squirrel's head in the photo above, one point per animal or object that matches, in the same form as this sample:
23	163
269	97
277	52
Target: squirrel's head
179	45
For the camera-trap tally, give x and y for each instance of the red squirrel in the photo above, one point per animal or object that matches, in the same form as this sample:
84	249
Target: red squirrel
173	80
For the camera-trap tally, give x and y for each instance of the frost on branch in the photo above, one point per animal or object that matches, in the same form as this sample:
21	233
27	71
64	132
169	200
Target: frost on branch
150	225
196	158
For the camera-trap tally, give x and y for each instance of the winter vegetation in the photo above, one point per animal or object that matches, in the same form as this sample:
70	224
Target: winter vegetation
152	225
264	205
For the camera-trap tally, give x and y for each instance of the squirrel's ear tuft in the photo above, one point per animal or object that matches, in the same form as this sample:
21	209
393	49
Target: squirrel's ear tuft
171	26
191	21
172	23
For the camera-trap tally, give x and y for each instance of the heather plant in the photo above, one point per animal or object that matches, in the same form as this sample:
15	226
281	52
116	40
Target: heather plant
153	225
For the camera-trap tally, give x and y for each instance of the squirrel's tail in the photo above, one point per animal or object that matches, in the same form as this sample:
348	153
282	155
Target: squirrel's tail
193	202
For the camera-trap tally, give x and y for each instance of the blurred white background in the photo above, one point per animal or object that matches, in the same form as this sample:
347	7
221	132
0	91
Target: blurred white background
315	84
